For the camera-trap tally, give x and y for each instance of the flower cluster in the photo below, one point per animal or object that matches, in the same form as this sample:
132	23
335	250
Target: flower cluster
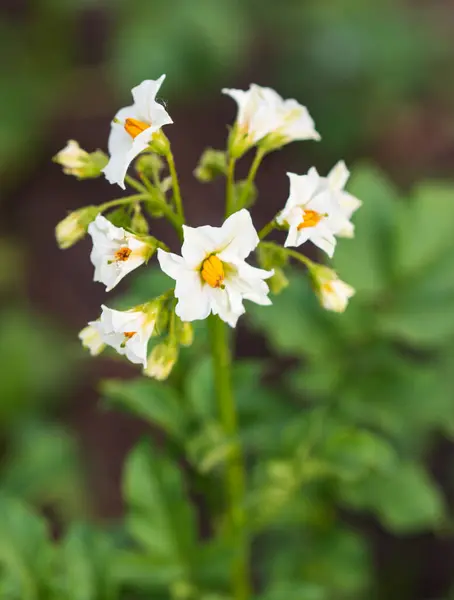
212	275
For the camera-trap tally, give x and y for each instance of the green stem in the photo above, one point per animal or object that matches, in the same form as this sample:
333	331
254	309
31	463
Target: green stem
235	477
306	261
230	188
267	229
135	184
175	186
122	201
259	156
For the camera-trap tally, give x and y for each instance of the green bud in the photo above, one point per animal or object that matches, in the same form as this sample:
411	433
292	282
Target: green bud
186	334
271	256
212	164
278	282
162	360
149	164
160	143
79	163
245	194
74	227
139	224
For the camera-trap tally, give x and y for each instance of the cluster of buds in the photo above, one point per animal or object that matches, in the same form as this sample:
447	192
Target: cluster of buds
212	275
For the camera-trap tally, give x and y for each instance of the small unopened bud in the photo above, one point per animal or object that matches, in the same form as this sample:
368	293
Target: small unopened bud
160	143
212	164
161	360
149	165
278	281
79	163
186	334
271	255
139	223
91	340
74	227
245	194
332	292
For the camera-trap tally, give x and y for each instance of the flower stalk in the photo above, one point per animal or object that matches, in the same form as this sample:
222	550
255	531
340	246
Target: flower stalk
235	479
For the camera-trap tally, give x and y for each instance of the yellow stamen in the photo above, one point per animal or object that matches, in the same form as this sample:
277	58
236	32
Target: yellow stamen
129	334
327	287
122	254
134	127
310	219
213	271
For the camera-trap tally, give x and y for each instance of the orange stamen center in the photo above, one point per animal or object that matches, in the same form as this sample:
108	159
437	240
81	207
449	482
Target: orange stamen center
327	287
122	254
134	127
213	271
129	334
310	219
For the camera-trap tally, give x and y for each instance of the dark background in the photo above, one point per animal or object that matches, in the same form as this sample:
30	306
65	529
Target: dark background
377	78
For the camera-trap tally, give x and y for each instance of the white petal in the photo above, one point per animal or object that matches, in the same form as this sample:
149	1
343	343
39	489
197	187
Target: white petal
297	122
199	242
338	176
228	307
302	188
194	302
325	241
172	264
238	236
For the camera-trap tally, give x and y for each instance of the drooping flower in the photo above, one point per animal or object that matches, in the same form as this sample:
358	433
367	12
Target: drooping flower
312	212
133	129
161	361
128	332
115	252
336	180
212	275
72	158
74	227
263	113
91	340
332	292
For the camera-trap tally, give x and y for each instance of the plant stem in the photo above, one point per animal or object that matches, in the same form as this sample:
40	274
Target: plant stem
175	186
135	184
259	155
306	261
235	472
267	229
230	189
121	201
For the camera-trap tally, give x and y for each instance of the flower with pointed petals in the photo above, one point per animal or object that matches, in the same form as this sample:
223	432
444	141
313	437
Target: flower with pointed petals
91	340
128	332
212	275
263	112
133	129
336	180
332	292
312	212
115	252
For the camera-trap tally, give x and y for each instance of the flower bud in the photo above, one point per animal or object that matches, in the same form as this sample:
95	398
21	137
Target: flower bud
245	194
74	227
212	164
139	224
271	256
161	360
278	281
332	292
186	334
91	340
149	165
79	163
160	143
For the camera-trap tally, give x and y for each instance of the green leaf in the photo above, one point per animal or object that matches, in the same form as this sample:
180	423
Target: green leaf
25	552
366	261
155	402
159	515
87	565
405	499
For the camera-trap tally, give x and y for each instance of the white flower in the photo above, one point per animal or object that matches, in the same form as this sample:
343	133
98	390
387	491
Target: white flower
312	212
127	331
333	293
115	252
133	128
212	275
92	340
336	180
72	158
261	111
